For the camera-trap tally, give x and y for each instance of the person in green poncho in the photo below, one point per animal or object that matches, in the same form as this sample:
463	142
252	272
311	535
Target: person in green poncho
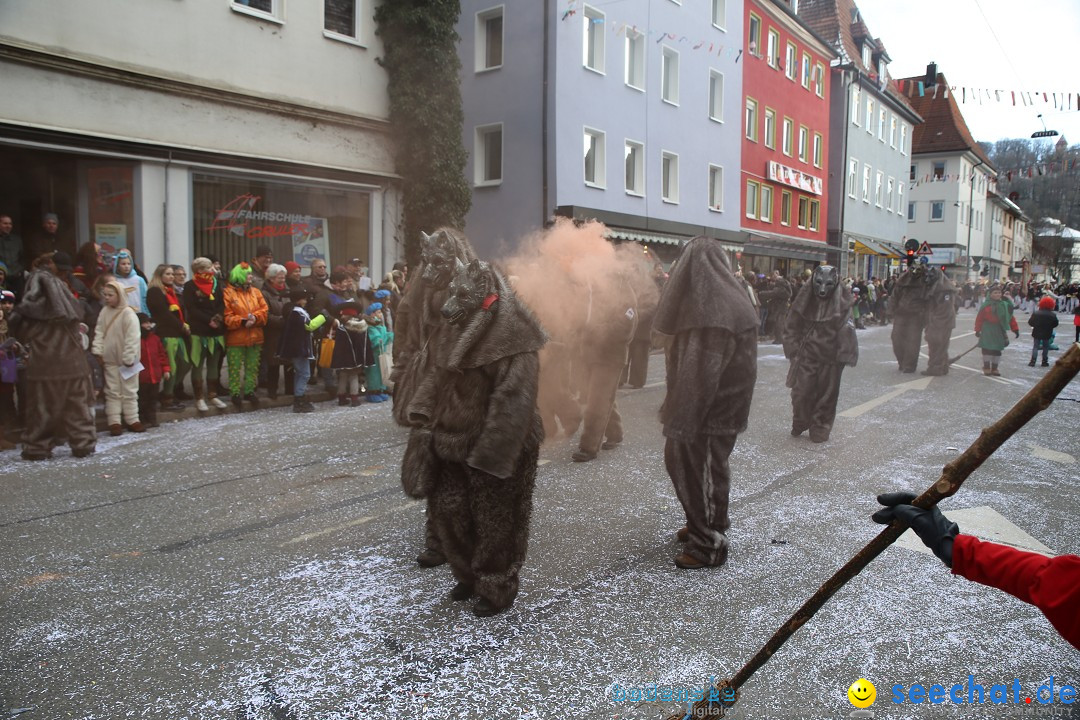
992	325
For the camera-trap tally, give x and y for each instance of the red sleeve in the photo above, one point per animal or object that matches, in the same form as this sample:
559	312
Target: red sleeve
1012	324
1050	584
979	320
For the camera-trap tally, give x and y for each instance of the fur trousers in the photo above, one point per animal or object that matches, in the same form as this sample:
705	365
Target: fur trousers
701	475
602	419
906	338
937	342
121	396
814	394
483	525
62	407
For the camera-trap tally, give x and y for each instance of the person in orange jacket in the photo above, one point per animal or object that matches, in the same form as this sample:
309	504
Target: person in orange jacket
1050	584
245	317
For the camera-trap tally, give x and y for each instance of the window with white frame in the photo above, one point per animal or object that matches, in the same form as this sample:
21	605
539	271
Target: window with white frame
911	212
892	131
753	37
819	141
340	18
770	128
939	170
593	43
788	136
804	142
806	71
881	124
669	177
866	56
765	204
914	168
785	207
634	154
669	78
819	80
856	104
903	138
489	39
719	12
716	188
879	187
266	9
753	188
716	95
772	53
889	194
899	197
866	173
595	175
852	174
791	62
870	116
635	59
751	119
937	210
487	155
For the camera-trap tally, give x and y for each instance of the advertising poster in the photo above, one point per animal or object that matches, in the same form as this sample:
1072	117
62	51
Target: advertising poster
111	238
310	240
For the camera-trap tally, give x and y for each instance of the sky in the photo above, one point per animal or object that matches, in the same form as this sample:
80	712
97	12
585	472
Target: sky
989	44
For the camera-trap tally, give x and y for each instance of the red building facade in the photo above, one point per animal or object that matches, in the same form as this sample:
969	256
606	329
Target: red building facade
785	136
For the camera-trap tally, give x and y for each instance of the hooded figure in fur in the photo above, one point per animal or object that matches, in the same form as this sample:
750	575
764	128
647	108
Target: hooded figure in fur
910	304
711	370
819	340
479	404
940	321
59	391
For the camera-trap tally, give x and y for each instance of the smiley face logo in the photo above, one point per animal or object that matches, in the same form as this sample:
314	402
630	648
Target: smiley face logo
862	693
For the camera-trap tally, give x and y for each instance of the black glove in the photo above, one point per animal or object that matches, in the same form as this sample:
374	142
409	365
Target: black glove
934	529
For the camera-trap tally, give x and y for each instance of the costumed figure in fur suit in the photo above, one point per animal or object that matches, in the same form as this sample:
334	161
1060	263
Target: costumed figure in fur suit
940	321
711	370
418	323
59	391
479	406
819	340
910	306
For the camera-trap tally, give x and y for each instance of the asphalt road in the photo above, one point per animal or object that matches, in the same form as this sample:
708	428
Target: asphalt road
260	565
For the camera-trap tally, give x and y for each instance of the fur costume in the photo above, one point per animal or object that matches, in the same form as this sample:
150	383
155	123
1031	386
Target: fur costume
910	303
59	392
819	340
776	299
479	408
940	321
711	370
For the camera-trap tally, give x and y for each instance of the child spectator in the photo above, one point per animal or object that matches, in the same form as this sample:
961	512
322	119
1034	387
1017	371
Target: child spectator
380	339
1043	321
132	282
295	343
352	351
245	316
156	368
116	346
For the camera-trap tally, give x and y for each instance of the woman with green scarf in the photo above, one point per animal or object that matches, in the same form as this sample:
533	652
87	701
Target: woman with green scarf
992	325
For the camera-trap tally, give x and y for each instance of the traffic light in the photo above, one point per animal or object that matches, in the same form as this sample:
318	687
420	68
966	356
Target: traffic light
911	247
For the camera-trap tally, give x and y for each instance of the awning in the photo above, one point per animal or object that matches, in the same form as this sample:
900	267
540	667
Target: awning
785	247
869	247
645	238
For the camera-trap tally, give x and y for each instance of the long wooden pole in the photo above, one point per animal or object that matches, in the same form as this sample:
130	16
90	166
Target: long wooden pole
952	477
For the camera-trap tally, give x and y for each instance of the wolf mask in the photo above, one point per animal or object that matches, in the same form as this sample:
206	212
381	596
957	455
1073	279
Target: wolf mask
440	254
470	287
825	279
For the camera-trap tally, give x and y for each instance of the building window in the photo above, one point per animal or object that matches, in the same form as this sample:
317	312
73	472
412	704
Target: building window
635	59
911	212
870	116
852	172
487	168
340	18
937	210
753	39
751	119
635	168
879	188
266	9
819	80
719	10
903	138
489	39
716	96
914	167
791	62
594	39
881	124
804	212
716	188
669	180
806	71
889	194
856	104
765	210
815	211
866	56
789	136
669	81
595	174
939	170
770	128
818	142
773	51
752	190
785	207
804	141
866	183
892	131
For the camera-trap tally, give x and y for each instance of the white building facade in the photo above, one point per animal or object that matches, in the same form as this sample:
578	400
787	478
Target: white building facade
200	127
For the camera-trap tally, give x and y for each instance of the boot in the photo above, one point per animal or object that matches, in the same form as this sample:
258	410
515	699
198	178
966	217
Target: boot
169	404
1032	363
355	400
986	368
301	405
290	381
343	400
198	389
272	383
1045	363
994	371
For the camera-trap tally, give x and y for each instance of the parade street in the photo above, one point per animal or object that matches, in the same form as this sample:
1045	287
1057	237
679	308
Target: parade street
261	566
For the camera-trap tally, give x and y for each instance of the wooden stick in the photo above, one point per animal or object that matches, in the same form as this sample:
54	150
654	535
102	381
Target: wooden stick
952	477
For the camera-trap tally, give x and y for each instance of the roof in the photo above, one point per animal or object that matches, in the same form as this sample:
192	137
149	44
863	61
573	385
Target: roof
842	24
943	129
